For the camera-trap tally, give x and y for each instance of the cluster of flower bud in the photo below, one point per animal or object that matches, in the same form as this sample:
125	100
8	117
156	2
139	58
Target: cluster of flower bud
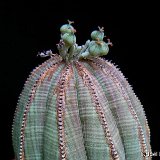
95	47
67	34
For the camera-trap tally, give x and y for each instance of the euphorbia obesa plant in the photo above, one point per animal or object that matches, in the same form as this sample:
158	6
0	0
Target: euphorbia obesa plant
78	106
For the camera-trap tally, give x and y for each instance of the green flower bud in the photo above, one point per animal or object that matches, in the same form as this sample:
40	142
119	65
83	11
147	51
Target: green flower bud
95	35
104	49
69	39
94	48
67	28
98	48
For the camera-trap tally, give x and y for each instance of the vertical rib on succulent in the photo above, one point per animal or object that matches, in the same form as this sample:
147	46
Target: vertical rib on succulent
112	69
109	72
131	109
55	59
42	76
88	81
38	70
60	90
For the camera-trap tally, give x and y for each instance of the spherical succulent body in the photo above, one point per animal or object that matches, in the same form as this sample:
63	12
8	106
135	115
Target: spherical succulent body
78	106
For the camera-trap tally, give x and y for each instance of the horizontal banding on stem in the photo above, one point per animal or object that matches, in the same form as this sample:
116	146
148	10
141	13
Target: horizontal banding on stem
121	89
89	82
27	108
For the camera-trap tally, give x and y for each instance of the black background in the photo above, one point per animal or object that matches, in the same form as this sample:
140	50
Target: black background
28	28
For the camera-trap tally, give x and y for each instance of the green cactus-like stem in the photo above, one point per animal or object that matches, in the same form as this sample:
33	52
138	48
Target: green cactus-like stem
78	106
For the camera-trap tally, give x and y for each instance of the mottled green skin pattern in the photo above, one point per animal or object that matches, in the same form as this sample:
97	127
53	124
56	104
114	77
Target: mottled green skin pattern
77	106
